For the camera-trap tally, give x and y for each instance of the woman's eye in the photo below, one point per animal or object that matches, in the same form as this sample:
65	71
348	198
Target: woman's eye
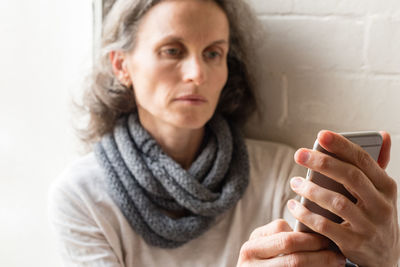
212	54
172	52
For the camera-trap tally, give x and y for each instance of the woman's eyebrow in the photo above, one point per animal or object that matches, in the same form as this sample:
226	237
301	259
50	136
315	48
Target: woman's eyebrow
222	41
171	39
174	38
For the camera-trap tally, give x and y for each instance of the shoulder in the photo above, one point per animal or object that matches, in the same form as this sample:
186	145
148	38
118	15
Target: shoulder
81	173
78	188
262	147
83	217
270	155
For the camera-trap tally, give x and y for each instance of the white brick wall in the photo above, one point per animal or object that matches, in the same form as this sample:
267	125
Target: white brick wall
329	64
386	8
383	35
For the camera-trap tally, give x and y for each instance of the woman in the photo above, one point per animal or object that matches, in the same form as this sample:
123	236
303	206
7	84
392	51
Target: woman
171	181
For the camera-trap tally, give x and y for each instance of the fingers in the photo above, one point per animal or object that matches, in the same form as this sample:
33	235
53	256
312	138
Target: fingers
309	259
365	245
370	228
330	200
350	176
318	223
282	243
355	155
384	156
274	227
276	244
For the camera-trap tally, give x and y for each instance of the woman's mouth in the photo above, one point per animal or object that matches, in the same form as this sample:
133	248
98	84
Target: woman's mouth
192	99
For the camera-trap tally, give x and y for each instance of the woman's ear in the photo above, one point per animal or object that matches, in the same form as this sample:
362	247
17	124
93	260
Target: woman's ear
119	66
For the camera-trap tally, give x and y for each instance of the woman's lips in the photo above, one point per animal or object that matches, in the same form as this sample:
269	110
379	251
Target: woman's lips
194	99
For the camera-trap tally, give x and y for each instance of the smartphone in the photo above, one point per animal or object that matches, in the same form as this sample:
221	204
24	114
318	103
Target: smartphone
369	141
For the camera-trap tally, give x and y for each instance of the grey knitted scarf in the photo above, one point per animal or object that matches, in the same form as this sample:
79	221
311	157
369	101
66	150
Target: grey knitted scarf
147	184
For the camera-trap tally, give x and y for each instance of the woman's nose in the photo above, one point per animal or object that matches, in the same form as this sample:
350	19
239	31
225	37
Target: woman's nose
194	70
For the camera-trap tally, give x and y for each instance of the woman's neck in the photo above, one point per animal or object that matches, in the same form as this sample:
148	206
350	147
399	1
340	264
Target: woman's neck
182	145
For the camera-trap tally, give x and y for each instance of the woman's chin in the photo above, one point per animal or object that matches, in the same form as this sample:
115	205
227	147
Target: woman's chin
191	120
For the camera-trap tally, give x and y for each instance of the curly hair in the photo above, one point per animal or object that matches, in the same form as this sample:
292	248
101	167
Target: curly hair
106	99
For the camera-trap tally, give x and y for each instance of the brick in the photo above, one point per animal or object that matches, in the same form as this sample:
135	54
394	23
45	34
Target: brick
271	6
330	7
271	96
383	46
312	43
385	8
345	103
337	102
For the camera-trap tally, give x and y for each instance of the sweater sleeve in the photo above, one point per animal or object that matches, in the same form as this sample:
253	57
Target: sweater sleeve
80	240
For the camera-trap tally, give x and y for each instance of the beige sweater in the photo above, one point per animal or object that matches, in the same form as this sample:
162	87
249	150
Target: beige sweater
92	231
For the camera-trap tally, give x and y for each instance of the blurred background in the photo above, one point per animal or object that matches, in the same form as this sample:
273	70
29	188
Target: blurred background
327	64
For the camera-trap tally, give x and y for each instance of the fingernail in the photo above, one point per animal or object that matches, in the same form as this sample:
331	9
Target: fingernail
328	137
303	156
292	204
296	182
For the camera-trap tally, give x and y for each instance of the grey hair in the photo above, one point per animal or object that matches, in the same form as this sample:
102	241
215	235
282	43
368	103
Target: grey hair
106	99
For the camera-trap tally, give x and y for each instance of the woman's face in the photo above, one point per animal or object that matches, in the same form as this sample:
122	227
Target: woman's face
179	64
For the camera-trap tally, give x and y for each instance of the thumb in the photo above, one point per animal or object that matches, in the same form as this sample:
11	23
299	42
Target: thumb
384	155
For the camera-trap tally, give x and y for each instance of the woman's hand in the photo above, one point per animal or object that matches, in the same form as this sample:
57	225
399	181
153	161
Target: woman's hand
275	244
369	234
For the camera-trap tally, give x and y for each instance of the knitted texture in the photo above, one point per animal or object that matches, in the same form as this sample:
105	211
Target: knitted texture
147	184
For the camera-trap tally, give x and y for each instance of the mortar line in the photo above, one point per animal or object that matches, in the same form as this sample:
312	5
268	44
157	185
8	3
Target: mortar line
285	105
289	15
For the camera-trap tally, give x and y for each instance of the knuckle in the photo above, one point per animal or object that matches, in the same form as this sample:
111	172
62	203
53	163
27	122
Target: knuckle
292	260
355	176
362	158
276	226
257	232
339	203
321	225
280	225
304	212
246	252
392	187
310	189
323	163
285	242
